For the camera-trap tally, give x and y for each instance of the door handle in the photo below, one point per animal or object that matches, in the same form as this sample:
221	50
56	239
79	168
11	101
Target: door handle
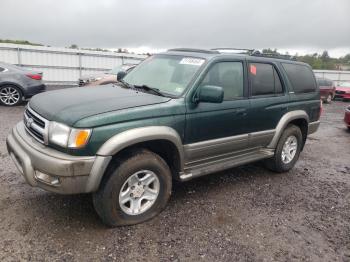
241	112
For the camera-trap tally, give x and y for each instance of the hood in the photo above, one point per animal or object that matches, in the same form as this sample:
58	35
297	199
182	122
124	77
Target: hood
73	104
346	89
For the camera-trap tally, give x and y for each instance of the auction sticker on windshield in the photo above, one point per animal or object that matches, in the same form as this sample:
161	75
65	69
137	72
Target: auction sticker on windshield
192	61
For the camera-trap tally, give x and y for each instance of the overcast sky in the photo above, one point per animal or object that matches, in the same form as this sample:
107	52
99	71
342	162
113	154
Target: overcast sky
294	25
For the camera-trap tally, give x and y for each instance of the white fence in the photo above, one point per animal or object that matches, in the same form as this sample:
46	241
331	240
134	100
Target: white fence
335	76
64	65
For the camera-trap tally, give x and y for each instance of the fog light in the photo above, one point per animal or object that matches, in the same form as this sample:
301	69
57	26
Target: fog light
47	179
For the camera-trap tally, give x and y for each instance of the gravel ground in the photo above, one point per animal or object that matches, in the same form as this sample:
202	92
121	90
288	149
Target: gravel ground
243	214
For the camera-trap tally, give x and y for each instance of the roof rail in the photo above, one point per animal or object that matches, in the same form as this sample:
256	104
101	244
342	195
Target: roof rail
194	50
227	49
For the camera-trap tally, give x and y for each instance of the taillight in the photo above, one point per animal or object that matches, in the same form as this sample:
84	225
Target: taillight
35	76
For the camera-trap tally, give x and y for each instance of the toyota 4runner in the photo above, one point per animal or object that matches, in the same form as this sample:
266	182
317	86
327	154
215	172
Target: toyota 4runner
178	115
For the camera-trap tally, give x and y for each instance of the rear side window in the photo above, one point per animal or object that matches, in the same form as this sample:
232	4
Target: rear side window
301	78
264	79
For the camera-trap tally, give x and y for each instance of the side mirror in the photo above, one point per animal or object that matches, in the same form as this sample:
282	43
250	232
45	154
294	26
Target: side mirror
121	75
210	94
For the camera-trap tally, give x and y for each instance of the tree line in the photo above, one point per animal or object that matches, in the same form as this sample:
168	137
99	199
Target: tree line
316	60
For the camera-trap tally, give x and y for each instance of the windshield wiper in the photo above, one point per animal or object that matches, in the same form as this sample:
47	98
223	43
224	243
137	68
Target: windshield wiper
126	84
148	88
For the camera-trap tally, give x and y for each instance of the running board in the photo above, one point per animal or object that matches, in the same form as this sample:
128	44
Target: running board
192	171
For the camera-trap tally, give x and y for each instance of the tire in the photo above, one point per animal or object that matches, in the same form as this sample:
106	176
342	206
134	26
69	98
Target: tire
328	99
10	95
276	163
117	186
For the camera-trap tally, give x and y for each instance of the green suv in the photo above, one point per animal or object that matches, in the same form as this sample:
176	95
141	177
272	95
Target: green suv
178	115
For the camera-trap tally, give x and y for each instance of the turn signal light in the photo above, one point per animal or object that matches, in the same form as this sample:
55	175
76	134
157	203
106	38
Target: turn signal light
79	138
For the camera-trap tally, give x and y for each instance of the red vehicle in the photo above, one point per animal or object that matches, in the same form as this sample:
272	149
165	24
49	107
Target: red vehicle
347	117
343	91
327	89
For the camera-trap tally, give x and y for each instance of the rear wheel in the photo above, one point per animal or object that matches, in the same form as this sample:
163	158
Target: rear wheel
10	95
328	99
134	191
287	150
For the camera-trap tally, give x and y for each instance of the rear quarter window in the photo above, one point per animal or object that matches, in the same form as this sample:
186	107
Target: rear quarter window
301	77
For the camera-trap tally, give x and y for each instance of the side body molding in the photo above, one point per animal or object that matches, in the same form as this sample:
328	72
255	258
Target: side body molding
141	134
287	118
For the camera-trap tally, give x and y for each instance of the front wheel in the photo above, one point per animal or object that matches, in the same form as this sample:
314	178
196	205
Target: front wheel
135	191
287	150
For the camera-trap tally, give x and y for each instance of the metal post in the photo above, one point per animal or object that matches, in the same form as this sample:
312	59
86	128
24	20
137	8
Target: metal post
80	64
19	60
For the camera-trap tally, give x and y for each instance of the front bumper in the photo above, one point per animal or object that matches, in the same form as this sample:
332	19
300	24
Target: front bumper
52	170
347	117
342	96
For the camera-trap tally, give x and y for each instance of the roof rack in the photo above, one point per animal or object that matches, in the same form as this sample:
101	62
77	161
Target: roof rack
194	50
273	55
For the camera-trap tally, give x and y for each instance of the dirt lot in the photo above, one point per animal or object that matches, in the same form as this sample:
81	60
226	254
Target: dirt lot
243	214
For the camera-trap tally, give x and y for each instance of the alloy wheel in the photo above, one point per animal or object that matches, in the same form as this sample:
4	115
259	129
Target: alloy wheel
139	192
289	149
9	96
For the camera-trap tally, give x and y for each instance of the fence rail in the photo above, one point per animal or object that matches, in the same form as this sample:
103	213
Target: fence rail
64	65
334	75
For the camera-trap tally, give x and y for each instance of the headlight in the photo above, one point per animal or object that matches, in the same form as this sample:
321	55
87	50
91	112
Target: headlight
65	136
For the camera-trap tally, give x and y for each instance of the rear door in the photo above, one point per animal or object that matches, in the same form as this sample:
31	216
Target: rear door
268	99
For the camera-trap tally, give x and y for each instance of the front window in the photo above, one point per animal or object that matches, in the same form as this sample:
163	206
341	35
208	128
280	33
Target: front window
169	74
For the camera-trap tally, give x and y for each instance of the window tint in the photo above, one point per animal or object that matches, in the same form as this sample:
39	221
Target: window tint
301	78
228	75
264	79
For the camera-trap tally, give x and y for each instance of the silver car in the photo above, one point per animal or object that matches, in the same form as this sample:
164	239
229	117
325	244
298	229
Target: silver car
18	84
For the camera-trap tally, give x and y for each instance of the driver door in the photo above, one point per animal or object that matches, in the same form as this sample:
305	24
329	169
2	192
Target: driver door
214	129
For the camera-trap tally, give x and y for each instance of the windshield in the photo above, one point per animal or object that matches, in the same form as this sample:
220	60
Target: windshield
345	84
167	73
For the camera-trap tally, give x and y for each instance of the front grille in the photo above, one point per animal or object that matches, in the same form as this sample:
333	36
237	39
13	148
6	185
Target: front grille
82	82
36	125
36	119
